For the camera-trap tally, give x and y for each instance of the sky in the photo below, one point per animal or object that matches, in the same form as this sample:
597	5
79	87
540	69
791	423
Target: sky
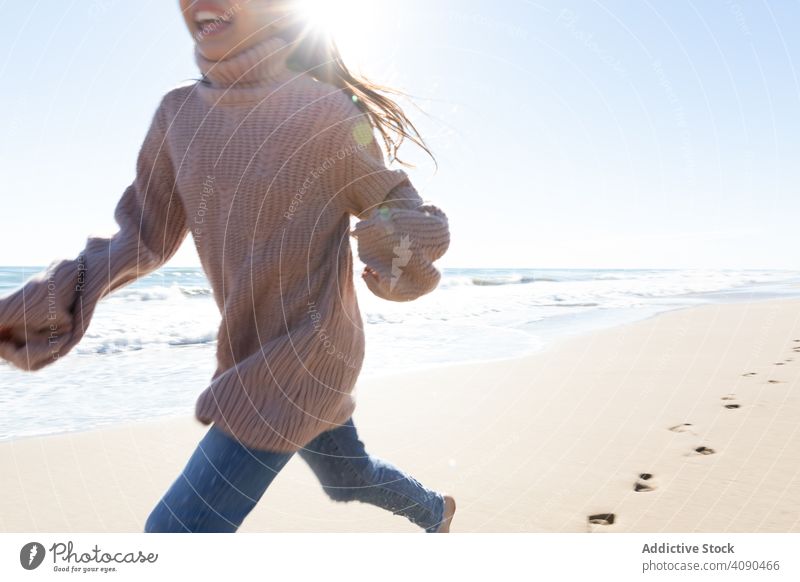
573	134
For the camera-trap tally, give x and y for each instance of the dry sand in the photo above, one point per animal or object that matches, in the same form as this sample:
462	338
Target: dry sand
535	444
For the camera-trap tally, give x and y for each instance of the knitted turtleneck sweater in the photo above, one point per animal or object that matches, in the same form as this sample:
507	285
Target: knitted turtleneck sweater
264	166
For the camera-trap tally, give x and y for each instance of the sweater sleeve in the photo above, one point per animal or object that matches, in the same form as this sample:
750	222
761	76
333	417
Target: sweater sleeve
399	242
398	236
49	315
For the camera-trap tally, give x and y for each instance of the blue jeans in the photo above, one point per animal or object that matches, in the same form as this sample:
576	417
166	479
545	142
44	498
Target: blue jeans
224	480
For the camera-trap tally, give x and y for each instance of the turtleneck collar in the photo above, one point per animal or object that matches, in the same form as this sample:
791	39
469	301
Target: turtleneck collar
245	75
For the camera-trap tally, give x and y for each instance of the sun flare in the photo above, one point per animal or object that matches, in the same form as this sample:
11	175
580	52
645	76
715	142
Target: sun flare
349	22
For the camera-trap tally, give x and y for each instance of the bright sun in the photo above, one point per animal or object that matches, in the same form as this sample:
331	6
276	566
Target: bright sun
350	22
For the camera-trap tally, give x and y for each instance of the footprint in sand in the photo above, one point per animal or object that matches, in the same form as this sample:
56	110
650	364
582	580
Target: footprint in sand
644	483
602	519
685	427
704	451
730	404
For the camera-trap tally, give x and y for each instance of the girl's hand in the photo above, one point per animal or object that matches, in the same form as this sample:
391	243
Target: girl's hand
7	335
376	282
370	275
37	322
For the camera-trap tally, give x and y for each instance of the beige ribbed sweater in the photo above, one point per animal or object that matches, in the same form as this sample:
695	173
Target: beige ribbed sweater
264	166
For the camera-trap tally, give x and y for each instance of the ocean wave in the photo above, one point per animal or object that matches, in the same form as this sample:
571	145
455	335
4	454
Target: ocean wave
609	278
507	280
162	293
111	346
451	281
196	291
567	304
376	318
120	343
197	340
148	294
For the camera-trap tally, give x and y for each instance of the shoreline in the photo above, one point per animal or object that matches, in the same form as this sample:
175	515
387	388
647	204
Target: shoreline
535	443
552	343
104	383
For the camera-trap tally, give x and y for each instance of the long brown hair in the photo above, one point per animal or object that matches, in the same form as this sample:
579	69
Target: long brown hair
317	54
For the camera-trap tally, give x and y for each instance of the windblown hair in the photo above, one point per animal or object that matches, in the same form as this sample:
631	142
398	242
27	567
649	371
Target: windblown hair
318	55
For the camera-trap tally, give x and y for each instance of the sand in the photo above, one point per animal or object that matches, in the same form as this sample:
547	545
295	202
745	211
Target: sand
535	444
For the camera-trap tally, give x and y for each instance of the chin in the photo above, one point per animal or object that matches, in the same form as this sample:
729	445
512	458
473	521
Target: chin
214	51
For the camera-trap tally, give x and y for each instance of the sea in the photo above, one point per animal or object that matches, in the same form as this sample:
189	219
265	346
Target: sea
150	349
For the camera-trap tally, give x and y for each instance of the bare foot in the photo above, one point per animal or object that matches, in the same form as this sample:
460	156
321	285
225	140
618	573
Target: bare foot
449	512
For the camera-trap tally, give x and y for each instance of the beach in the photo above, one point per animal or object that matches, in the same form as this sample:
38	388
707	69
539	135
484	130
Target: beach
683	422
